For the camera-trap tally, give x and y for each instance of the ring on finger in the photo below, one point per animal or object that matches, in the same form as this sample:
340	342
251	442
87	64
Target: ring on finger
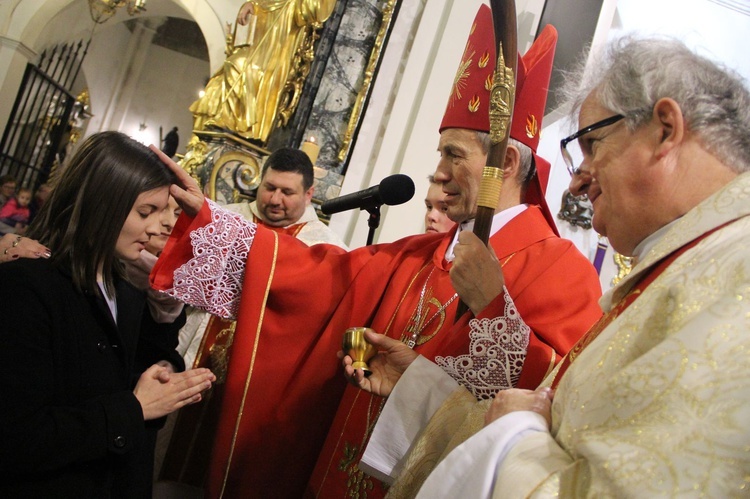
15	243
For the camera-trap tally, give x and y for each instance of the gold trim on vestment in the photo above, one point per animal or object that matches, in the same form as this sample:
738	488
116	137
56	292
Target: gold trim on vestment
252	361
552	364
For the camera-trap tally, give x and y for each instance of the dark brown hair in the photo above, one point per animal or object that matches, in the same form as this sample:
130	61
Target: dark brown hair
88	207
287	159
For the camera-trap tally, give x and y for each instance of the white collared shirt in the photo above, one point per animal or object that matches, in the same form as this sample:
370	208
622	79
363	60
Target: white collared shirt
498	222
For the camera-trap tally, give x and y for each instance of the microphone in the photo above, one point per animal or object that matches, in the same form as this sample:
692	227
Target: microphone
393	190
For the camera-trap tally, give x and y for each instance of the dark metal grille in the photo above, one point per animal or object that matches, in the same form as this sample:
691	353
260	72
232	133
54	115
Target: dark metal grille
40	115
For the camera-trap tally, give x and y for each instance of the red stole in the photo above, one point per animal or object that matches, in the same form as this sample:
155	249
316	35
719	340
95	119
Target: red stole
337	473
189	453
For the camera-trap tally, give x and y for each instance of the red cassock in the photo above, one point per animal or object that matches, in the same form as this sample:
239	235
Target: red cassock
281	407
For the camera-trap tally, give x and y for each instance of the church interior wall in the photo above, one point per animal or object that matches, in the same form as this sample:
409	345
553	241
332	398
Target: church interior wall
163	88
212	17
20	23
174	99
102	71
13	60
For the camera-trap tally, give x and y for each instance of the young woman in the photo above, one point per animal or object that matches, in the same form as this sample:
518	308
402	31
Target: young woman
85	368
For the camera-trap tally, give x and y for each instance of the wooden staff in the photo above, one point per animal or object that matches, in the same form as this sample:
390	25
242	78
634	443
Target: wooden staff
502	98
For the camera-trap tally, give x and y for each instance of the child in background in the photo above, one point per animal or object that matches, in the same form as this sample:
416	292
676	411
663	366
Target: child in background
15	212
436	218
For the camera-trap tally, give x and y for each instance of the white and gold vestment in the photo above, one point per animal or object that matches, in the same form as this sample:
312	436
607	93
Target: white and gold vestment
657	405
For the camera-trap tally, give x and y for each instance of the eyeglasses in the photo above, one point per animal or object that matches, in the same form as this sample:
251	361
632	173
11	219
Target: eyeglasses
566	154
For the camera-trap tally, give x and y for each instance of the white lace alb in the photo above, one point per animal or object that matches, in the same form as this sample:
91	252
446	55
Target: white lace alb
212	279
497	349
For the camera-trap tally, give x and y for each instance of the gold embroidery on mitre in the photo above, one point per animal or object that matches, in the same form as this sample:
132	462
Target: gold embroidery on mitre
489	81
462	75
474	104
484	60
532	126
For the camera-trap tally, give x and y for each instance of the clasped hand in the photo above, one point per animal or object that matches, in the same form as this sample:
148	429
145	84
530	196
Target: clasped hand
161	392
516	399
387	365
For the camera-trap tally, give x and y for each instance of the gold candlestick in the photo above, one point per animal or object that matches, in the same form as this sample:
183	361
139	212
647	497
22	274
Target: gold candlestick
311	148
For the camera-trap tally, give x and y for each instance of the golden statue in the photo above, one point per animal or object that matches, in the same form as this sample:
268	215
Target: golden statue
244	95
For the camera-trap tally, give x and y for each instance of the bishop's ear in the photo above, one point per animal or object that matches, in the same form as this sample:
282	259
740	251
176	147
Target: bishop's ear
512	163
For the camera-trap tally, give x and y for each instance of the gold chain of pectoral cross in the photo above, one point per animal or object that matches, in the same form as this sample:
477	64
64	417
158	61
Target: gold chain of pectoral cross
419	321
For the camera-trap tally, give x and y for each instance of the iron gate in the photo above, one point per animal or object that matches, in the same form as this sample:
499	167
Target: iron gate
40	118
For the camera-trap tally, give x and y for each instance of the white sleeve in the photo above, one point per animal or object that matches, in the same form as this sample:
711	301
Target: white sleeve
418	394
470	469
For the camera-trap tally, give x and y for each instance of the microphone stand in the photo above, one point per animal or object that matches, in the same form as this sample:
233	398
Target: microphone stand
373	222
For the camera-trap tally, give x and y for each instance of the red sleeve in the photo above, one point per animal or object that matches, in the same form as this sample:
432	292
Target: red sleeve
559	305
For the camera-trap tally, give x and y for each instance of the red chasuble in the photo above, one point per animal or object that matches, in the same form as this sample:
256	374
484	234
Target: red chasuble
553	289
283	383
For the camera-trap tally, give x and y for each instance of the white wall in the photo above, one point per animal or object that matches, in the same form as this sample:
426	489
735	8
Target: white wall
153	85
717	30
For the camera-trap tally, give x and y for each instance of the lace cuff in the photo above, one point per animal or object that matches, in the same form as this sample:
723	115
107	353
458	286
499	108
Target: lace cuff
497	349
212	279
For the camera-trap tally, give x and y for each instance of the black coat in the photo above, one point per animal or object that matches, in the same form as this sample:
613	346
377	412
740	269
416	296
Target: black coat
70	425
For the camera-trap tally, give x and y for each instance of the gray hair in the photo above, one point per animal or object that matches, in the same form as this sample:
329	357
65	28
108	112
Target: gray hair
526	170
633	74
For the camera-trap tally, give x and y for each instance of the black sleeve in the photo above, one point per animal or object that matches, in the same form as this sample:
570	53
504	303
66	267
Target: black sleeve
158	341
51	417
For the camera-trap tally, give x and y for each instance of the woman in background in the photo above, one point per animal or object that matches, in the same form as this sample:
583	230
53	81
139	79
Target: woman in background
86	369
163	307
